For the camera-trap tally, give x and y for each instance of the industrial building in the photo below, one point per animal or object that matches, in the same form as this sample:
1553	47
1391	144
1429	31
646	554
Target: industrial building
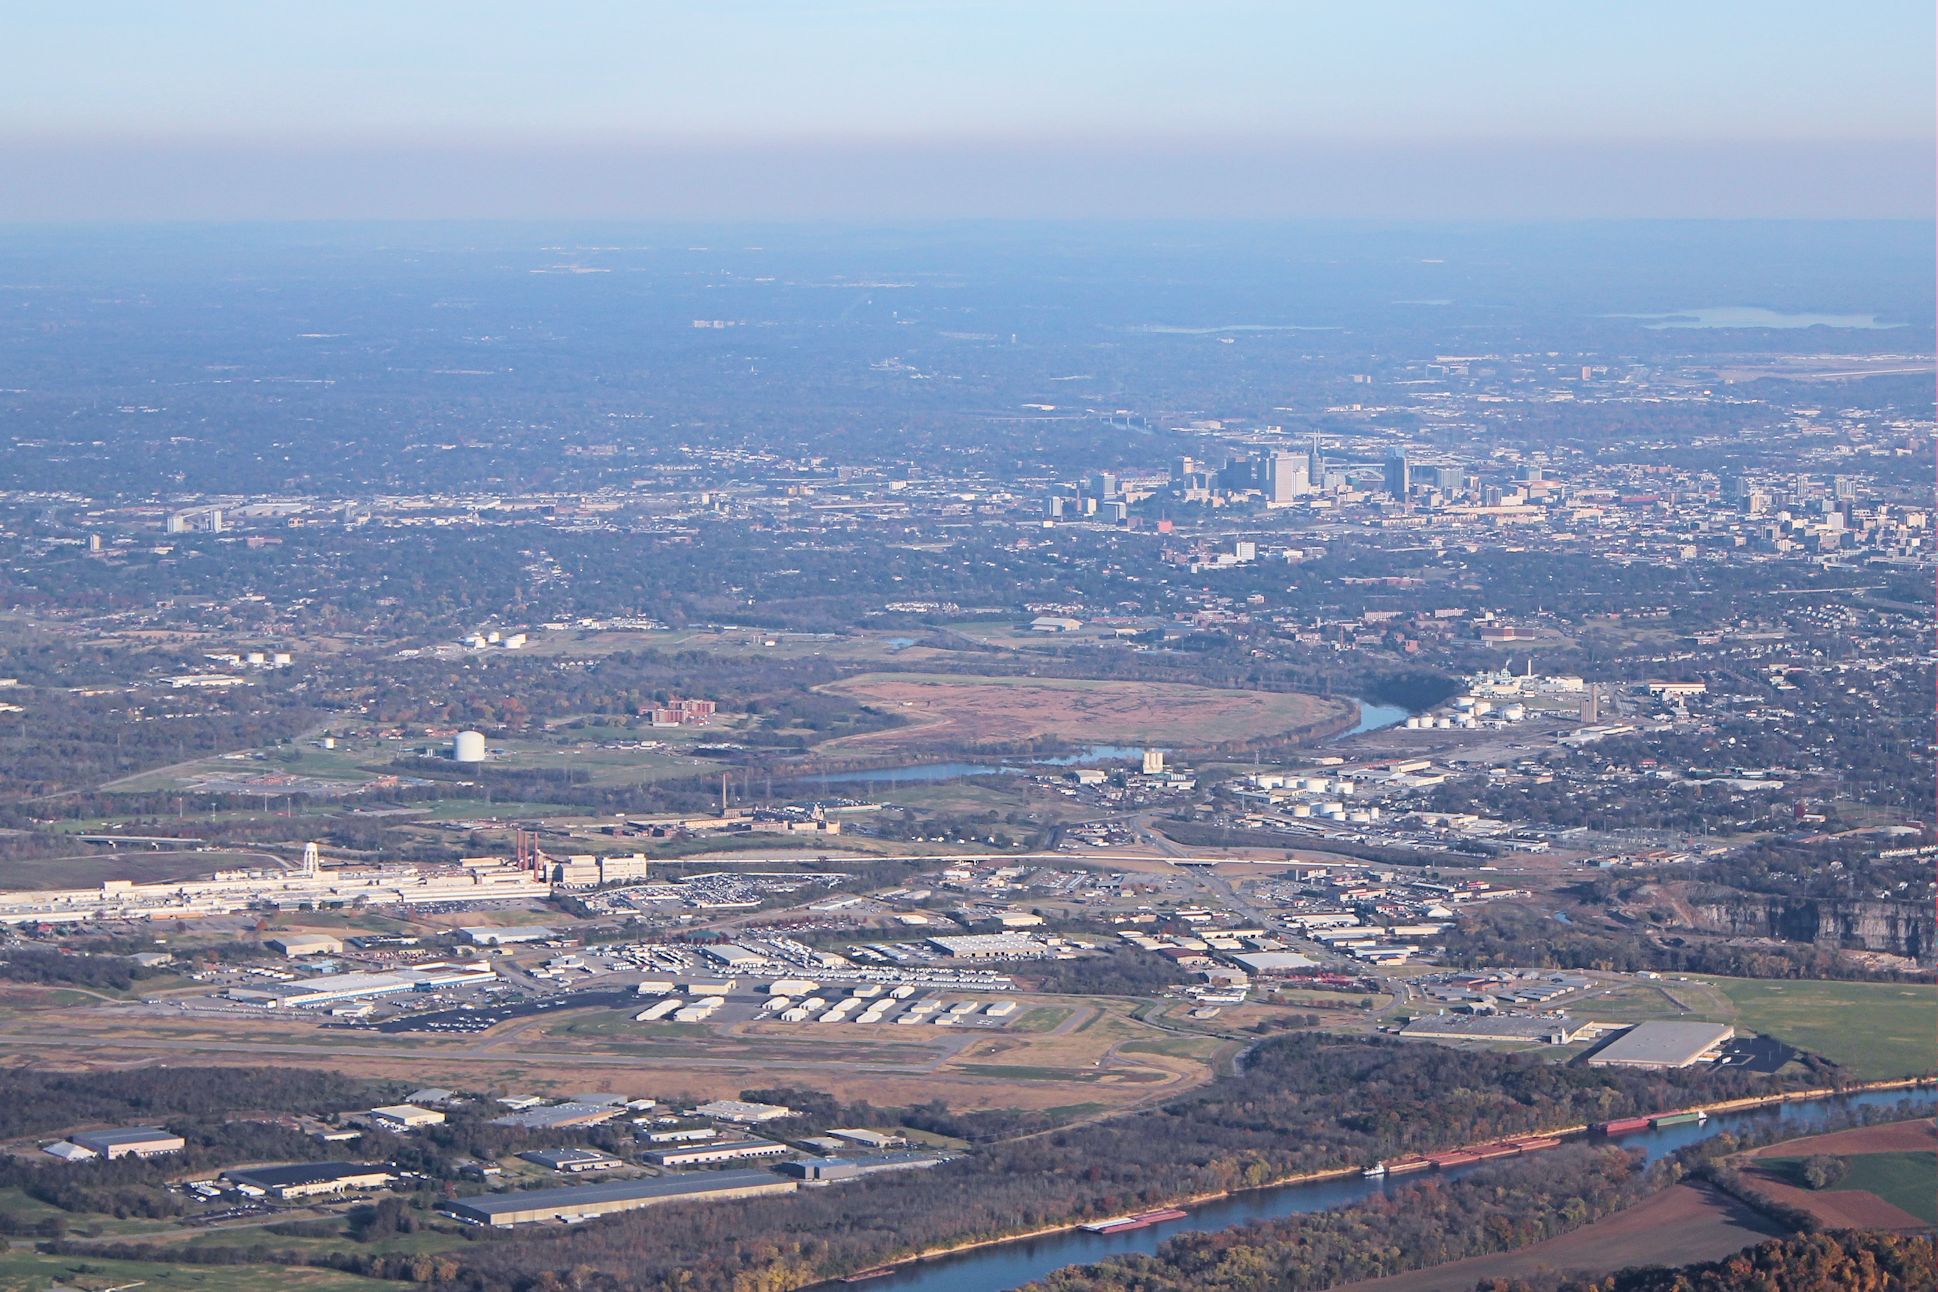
559	1116
992	946
867	1138
67	1152
572	1161
400	1117
741	1110
577	1202
507	934
329	989
1264	964
716	1151
130	1141
310	1179
307	944
229	894
1558	1030
1663	1045
736	959
588	870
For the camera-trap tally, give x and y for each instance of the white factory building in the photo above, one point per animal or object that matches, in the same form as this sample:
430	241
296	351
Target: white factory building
332	989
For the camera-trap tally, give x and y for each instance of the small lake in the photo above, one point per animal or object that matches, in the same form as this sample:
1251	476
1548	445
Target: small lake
1009	1265
1374	717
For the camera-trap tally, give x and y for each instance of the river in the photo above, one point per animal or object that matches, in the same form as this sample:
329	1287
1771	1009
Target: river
1009	1265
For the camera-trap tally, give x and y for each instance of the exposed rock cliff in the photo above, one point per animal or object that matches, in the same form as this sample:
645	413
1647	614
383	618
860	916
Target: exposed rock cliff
1898	928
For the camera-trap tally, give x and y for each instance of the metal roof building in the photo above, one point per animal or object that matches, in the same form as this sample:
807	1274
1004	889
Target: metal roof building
306	1179
555	1116
132	1141
530	1206
1558	1030
1662	1045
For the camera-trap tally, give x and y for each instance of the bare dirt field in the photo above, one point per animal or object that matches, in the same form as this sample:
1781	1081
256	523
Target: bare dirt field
1682	1224
1834	1208
1770	1172
1897	1137
963	712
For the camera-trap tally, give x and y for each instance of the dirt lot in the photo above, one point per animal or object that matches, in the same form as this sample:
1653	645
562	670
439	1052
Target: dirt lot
1675	1227
967	711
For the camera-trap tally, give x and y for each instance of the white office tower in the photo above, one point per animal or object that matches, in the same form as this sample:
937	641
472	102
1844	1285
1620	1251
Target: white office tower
1153	762
1287	476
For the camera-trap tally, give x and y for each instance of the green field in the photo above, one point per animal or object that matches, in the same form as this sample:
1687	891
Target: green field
1042	1019
1875	1030
1905	1180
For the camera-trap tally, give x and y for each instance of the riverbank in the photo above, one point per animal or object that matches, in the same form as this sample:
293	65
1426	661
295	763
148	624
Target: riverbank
1076	1226
1336	1176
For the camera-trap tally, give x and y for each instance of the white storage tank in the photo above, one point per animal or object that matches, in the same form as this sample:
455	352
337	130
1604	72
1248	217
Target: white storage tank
468	747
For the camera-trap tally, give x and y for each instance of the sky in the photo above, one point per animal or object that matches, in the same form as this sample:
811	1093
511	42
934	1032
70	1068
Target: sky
846	109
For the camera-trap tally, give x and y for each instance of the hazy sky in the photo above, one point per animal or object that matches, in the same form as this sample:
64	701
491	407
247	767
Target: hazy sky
817	108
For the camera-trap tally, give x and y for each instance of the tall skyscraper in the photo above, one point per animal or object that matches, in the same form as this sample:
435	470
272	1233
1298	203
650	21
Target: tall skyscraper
1286	478
1399	477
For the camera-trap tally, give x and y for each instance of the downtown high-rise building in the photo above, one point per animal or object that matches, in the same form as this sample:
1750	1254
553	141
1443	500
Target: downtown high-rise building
1399	476
1287	477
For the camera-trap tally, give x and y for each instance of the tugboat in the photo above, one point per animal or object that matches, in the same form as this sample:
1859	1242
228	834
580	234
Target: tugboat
1375	1171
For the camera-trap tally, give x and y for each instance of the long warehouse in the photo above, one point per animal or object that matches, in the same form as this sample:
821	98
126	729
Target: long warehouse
572	1202
1663	1045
